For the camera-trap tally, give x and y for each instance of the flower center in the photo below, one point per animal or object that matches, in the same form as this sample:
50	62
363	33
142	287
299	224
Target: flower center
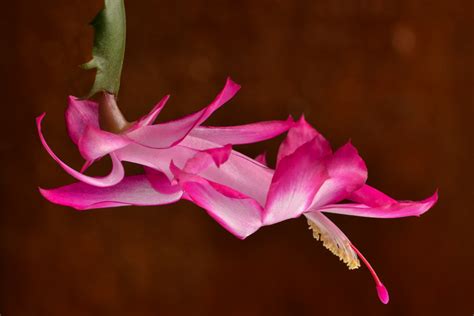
338	245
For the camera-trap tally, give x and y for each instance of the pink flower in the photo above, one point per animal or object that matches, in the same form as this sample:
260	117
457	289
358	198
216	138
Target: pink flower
153	146
184	160
309	180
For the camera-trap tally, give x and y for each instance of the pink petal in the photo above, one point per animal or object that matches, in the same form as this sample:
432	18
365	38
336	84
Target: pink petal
158	159
347	172
171	133
160	182
206	158
371	196
392	210
132	190
243	134
115	176
262	158
296	180
240	215
96	143
80	114
150	117
240	172
299	134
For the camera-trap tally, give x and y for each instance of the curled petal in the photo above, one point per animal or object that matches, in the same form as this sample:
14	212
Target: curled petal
206	158
299	134
115	176
80	114
96	143
132	190
371	196
296	180
171	133
243	134
392	210
160	182
347	172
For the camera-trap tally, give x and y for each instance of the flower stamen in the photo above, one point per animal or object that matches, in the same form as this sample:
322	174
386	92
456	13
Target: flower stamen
381	289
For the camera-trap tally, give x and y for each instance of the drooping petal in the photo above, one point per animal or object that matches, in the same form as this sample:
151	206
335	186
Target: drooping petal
262	158
239	214
333	238
295	182
171	133
80	114
243	134
96	143
132	190
347	172
301	133
114	177
392	210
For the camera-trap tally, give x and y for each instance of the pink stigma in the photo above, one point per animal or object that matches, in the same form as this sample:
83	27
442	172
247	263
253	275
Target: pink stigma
381	289
383	293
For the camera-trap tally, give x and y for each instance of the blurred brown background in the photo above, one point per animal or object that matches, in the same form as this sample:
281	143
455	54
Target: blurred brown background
395	76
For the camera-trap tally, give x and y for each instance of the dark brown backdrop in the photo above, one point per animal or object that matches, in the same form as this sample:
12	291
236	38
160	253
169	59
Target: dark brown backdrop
394	76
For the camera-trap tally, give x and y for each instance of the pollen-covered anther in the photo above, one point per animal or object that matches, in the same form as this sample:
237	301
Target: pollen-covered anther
342	249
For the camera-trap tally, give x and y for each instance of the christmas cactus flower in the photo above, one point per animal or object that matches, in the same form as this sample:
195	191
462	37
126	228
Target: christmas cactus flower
183	159
309	180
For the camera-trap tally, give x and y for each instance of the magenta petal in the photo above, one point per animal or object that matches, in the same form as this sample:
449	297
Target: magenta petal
243	134
80	114
151	117
240	172
160	182
392	210
243	175
371	196
239	214
206	158
132	190
96	143
347	172
262	158
299	134
295	182
115	176
156	158
171	133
